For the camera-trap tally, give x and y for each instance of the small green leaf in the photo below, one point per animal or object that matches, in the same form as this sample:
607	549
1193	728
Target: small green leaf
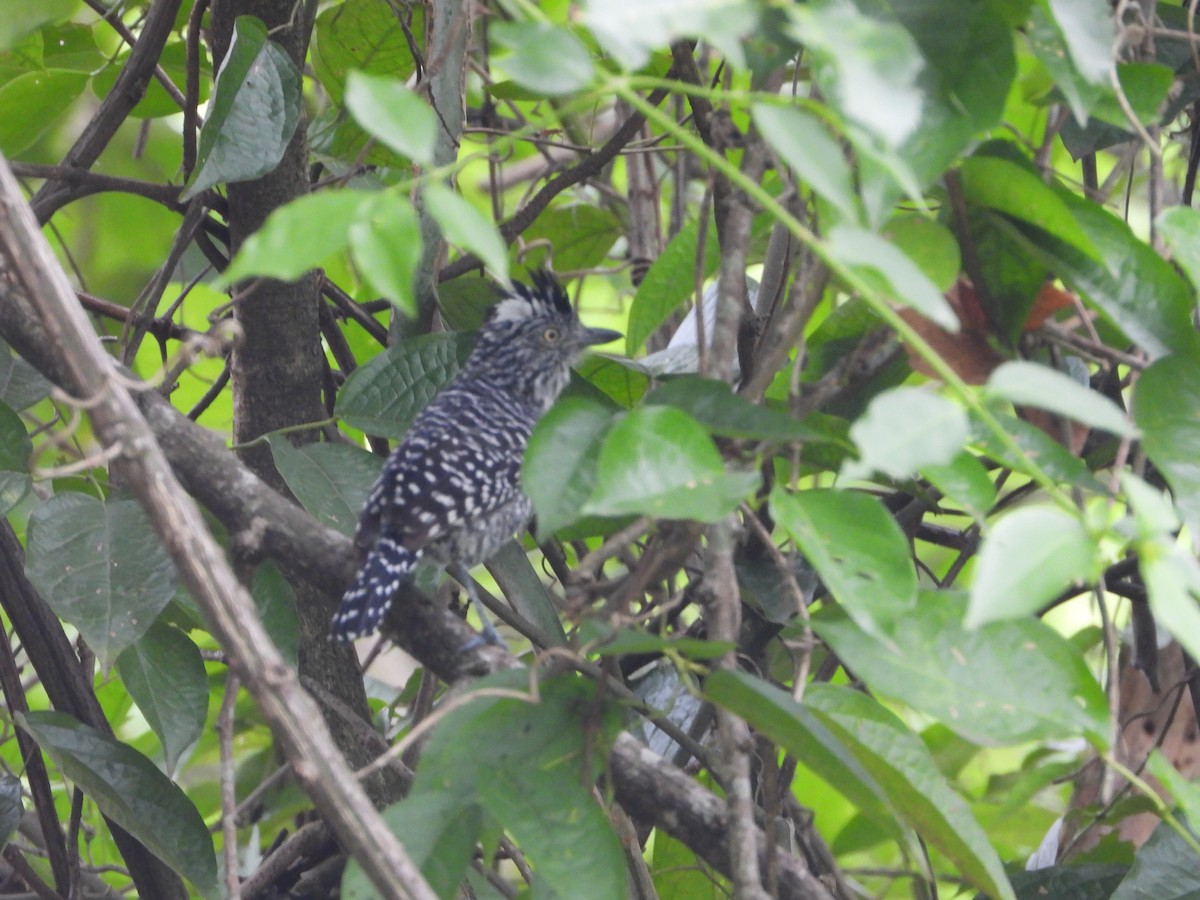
131	791
101	567
545	58
164	674
659	461
856	547
1166	406
559	470
253	112
392	113
1028	557
1032	384
965	481
804	143
385	242
298	237
669	282
1004	683
385	395
904	429
877	260
331	481
276	603
467	228
33	103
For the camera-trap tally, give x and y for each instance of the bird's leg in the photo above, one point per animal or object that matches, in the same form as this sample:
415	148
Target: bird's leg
490	634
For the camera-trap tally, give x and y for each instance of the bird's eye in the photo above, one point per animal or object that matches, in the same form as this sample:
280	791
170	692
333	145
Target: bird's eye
551	335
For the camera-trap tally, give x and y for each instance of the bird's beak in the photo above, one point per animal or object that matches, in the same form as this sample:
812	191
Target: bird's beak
593	336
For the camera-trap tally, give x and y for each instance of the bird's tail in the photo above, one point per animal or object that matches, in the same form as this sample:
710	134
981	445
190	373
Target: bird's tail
388	565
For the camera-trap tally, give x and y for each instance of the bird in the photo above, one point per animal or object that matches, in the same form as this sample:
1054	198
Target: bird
451	488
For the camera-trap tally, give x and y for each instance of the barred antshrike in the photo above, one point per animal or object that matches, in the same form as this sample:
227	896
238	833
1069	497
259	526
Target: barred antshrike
451	488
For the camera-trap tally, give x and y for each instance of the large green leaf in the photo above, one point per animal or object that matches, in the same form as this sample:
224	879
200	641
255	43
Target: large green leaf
904	429
1166	407
1003	683
467	228
392	113
20	17
331	481
535	777
1030	384
385	395
856	547
1165	867
276	603
1068	882
32	103
101	567
385	242
1028	557
659	461
580	236
253	112
131	791
559	470
804	143
163	672
1088	31
21	385
543	58
669	282
631	29
367	35
300	236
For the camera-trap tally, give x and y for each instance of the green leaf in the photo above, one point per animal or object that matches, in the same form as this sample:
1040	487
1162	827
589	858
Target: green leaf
873	66
885	264
100	567
1012	189
904	429
20	17
635	640
298	237
856	547
15	451
253	113
467	228
559	470
1165	867
439	834
156	103
1172	578
1067	882
929	244
21	385
390	112
659	461
164	674
630	30
713	404
385	241
1166	407
1180	228
1032	384
1004	683
669	282
11	807
367	35
33	103
581	236
1185	793
904	768
276	603
965	481
523	587
1088	31
331	481
1048	454
535	777
130	790
544	58
1027	558
804	143
385	395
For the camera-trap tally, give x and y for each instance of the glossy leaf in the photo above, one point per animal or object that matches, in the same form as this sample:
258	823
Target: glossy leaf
1089	34
544	58
392	113
804	143
1003	683
1031	384
904	429
1027	558
659	461
131	791
164	674
331	481
253	113
300	236
1165	867
365	35
385	395
559	470
19	17
101	567
579	235
856	547
929	244
467	228
1166	407
385	241
33	103
668	283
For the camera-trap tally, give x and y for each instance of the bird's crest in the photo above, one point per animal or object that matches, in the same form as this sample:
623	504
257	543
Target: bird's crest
521	301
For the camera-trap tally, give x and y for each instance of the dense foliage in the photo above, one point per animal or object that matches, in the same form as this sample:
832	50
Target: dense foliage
865	567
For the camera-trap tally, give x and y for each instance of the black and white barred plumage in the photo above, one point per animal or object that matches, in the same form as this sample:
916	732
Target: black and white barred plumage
451	488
